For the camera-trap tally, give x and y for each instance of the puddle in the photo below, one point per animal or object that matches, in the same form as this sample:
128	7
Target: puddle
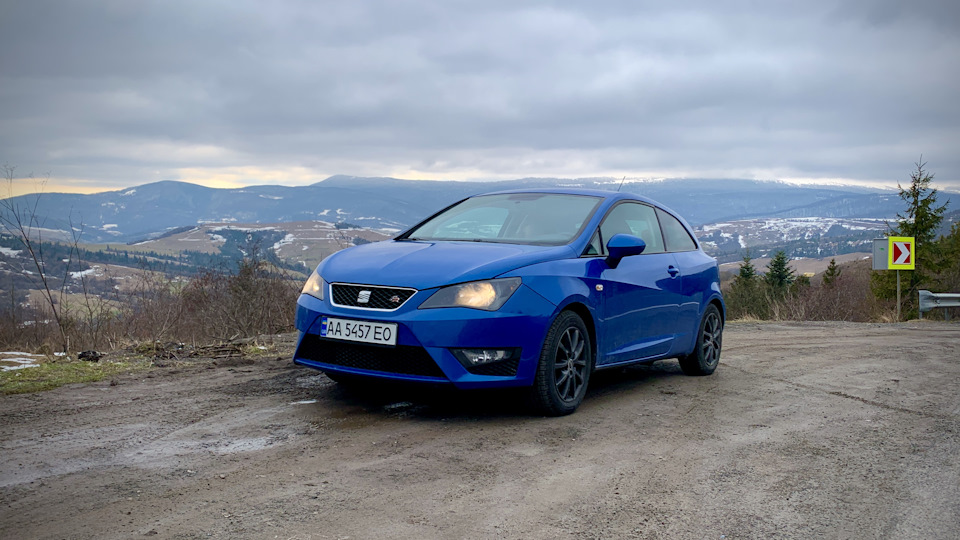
304	402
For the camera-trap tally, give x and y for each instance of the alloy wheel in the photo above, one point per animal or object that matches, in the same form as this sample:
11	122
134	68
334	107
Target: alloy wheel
571	364
712	339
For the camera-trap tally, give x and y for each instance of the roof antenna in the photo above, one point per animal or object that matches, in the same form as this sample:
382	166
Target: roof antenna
621	184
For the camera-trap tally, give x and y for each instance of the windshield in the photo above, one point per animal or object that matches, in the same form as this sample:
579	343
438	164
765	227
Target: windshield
516	218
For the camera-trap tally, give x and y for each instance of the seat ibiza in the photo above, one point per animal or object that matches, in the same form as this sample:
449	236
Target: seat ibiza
534	288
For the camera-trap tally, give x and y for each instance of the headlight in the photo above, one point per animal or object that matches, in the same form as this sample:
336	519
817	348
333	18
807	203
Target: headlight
486	295
314	286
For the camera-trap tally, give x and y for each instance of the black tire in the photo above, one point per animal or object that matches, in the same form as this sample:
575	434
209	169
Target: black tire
566	362
706	356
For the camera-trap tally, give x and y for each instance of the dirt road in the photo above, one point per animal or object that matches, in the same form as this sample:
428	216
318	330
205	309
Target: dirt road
805	431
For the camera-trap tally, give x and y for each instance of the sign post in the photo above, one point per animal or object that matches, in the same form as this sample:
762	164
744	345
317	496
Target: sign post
895	253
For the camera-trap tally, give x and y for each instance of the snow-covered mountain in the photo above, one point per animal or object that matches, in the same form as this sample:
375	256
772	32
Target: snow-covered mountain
151	209
730	214
801	237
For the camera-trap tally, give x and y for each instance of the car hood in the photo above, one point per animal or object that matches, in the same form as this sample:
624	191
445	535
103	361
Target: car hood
423	265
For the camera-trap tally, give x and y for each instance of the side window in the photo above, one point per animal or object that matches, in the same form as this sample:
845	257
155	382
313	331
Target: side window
634	219
676	235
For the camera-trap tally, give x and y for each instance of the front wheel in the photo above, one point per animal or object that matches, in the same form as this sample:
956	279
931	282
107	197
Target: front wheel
705	357
566	361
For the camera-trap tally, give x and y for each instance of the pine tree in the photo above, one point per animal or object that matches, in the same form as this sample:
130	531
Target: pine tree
832	273
748	272
949	248
923	217
779	275
745	297
921	220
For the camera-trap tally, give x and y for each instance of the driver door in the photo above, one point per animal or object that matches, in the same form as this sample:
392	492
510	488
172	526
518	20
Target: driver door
641	296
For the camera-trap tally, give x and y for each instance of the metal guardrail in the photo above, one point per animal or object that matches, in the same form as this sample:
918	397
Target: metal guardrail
929	301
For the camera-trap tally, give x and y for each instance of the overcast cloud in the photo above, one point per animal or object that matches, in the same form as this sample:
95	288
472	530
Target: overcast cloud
116	93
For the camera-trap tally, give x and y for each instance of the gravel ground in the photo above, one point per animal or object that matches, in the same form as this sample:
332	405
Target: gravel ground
806	430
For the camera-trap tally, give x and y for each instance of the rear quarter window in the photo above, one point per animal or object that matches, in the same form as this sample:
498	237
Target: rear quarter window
675	235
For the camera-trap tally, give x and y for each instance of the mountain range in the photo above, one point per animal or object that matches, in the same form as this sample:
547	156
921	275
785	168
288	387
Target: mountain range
151	210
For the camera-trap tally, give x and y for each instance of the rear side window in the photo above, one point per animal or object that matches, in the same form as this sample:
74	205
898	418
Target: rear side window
674	233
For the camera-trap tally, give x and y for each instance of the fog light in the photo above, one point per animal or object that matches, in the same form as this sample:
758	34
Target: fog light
478	357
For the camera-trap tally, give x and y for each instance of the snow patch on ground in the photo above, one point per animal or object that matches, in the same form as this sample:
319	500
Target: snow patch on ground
13	360
16	363
9	252
288	239
243	229
220	220
82	273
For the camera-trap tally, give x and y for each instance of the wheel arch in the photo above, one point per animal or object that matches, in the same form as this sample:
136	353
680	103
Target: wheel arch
586	316
720	307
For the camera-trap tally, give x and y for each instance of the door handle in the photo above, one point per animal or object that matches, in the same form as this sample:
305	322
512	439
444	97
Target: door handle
673	271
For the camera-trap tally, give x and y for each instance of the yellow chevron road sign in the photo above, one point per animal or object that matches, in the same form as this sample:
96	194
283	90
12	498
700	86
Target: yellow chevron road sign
902	253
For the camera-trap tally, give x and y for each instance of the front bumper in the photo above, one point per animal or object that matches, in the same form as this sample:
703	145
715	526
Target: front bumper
424	340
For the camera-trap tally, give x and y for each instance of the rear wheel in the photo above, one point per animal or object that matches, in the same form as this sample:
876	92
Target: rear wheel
706	356
566	361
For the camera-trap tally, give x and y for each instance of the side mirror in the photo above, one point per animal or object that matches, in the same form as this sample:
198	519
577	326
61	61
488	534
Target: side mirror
623	245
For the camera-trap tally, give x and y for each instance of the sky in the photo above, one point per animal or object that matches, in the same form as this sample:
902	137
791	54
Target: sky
98	95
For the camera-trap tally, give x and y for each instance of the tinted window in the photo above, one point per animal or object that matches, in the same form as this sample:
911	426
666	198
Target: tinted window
520	218
634	219
675	234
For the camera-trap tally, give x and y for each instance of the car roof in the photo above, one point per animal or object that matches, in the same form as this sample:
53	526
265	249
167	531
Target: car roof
610	196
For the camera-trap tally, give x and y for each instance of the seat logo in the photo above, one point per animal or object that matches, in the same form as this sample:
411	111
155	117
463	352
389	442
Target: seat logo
363	297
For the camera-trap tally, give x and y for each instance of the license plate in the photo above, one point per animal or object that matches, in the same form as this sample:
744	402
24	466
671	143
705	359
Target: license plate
362	331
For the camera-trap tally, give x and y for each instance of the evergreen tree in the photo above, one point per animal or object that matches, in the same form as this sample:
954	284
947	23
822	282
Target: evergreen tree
923	216
921	220
746	297
832	273
949	249
748	272
779	275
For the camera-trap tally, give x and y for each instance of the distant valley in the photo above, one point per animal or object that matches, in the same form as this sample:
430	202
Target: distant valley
302	225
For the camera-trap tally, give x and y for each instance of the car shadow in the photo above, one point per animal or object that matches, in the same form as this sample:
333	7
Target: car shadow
428	402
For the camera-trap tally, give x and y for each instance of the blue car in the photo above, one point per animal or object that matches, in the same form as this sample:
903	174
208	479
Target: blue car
533	288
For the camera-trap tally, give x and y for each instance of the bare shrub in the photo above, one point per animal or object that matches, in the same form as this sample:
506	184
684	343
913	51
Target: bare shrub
847	298
155	308
257	299
152	309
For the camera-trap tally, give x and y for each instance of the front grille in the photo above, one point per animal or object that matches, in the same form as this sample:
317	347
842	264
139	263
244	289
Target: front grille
402	359
504	368
381	298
